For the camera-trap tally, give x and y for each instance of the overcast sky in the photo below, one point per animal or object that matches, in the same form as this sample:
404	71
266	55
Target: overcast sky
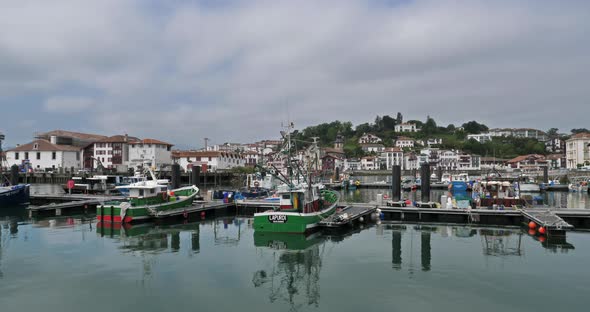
232	71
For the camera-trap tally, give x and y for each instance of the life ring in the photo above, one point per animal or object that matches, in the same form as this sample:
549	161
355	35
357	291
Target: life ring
256	184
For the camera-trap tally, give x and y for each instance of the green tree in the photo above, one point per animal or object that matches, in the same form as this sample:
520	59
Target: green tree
473	127
580	130
429	127
552	132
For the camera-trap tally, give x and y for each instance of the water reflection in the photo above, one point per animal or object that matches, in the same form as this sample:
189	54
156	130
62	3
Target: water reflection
496	242
294	274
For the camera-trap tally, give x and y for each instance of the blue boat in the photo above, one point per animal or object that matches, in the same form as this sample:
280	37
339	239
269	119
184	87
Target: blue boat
14	195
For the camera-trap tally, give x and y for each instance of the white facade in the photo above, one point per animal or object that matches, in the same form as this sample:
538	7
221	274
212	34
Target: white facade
368	147
214	160
352	164
406	127
41	155
577	150
369	138
404	142
149	151
370	163
481	138
392	157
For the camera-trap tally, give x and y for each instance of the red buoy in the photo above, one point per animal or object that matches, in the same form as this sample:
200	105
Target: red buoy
542	230
532	232
532	225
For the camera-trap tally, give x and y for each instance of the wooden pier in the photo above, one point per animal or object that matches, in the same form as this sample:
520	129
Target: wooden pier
347	216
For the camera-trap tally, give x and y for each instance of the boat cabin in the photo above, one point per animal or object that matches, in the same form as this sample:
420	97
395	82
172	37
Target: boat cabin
304	200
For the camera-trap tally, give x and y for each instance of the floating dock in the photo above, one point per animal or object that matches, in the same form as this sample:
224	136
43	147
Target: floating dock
552	223
347	216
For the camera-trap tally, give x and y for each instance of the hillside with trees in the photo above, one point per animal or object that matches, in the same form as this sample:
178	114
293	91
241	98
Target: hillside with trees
454	137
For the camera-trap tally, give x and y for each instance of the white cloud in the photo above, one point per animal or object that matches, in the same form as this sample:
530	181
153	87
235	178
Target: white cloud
229	72
68	104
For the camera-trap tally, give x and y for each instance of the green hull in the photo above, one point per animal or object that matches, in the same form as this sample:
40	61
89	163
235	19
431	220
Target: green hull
111	212
292	222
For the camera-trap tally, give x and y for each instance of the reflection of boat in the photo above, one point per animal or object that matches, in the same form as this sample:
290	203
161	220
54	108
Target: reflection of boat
287	241
294	272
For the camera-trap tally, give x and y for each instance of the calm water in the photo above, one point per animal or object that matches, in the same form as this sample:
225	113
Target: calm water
68	264
73	264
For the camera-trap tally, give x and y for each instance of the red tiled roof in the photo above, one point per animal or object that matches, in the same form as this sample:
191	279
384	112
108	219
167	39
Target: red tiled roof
525	157
150	141
78	135
118	139
180	154
393	149
583	135
44	145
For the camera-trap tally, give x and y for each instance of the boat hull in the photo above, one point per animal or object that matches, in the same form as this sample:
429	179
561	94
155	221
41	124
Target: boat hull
290	222
15	195
113	213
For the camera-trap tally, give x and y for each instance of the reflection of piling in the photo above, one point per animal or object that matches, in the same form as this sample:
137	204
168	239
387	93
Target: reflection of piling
14	175
425	179
195	246
175	241
439	173
396	180
545	174
175	176
425	245
396	249
196	175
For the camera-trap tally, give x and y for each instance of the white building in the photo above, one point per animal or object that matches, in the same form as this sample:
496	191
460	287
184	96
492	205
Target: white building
406	127
372	147
555	145
149	151
577	150
214	160
392	156
402	142
42	154
370	163
352	164
251	158
481	138
368	138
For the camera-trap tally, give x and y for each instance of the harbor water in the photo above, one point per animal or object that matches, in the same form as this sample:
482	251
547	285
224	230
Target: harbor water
74	264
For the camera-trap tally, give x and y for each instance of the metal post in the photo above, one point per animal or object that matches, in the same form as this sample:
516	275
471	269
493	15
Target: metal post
14	175
425	179
196	175
396	183
175	176
545	174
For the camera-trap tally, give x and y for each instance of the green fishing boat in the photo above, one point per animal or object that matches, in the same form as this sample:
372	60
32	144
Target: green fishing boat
145	200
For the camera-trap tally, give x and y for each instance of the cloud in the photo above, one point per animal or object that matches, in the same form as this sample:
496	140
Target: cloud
68	104
233	71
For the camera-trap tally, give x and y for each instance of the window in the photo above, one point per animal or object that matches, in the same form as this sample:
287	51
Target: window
26	155
16	155
35	146
38	155
286	196
152	191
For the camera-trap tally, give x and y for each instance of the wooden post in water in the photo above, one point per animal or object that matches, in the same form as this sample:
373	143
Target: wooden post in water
175	176
196	175
14	175
425	179
396	181
545	174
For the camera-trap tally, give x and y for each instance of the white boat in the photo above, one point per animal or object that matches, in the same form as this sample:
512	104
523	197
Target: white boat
529	187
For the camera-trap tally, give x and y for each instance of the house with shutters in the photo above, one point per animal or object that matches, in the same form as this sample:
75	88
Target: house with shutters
42	154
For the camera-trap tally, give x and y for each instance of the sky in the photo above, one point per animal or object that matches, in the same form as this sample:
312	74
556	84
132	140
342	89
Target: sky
233	71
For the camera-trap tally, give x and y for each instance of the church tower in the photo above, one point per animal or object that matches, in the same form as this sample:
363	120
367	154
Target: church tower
339	142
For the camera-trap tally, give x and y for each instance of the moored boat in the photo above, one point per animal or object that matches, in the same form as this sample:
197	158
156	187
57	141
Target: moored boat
14	195
146	199
300	210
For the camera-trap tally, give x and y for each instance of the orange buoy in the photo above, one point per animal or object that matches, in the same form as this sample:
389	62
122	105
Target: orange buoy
542	230
532	232
532	225
542	239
